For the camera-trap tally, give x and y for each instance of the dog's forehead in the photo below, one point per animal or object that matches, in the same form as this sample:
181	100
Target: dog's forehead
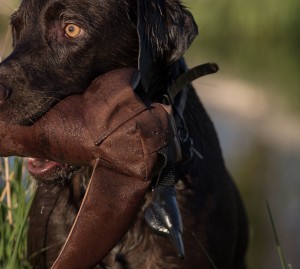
38	5
33	11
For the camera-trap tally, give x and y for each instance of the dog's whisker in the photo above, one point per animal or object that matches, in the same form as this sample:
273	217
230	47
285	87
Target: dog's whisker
46	98
31	120
49	105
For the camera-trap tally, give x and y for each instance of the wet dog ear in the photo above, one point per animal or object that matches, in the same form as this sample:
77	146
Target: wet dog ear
166	30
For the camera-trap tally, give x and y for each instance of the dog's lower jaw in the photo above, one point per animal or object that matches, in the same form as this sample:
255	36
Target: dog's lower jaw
48	172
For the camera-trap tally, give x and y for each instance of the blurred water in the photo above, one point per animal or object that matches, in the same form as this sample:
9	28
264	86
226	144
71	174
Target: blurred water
262	152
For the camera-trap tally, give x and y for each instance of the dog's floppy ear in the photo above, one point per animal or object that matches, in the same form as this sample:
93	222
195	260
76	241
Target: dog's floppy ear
166	30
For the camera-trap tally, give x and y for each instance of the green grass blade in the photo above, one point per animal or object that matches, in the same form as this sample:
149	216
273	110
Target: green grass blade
20	235
13	237
279	249
205	252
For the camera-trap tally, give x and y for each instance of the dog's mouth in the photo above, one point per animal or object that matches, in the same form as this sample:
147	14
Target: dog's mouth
48	171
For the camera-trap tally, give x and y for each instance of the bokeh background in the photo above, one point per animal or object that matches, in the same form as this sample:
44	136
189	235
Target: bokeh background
254	102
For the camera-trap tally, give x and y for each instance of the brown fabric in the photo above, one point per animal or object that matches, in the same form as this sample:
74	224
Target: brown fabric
107	211
109	107
108	127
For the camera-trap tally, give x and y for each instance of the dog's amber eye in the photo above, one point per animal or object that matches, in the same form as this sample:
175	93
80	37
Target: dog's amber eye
72	30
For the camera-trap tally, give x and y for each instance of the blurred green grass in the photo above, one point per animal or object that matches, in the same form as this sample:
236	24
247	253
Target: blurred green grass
16	197
257	40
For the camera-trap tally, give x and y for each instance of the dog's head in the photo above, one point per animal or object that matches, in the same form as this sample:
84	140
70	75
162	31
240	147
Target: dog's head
59	47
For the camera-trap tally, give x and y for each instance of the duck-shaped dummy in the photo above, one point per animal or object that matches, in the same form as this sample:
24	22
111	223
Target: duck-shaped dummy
128	142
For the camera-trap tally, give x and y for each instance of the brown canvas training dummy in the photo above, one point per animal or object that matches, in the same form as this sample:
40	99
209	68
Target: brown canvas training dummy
125	140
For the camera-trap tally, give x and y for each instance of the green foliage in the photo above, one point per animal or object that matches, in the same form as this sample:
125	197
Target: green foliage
15	203
264	21
257	39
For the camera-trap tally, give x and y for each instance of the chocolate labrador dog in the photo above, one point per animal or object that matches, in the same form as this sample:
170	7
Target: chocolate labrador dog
59	48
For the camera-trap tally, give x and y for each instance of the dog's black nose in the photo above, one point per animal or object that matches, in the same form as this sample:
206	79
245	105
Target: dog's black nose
4	92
